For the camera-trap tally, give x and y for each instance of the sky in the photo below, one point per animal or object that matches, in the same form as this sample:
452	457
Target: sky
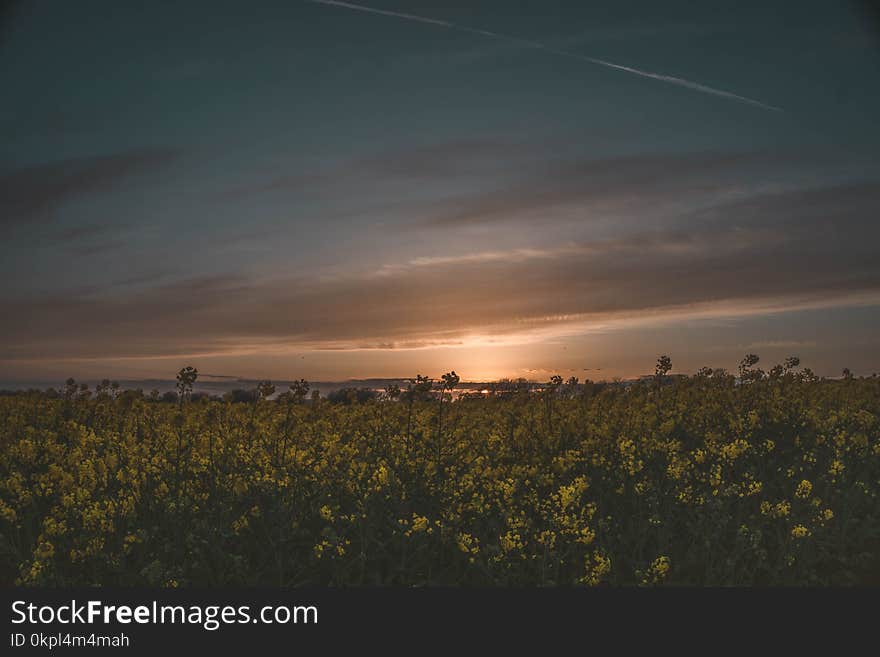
331	190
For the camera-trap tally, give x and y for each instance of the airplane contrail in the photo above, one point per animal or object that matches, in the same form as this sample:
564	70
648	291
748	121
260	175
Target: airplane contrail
671	79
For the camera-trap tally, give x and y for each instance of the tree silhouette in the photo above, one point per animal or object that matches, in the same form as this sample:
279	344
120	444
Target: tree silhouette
747	371
392	391
351	395
419	387
101	389
186	377
447	382
664	365
299	390
450	380
265	389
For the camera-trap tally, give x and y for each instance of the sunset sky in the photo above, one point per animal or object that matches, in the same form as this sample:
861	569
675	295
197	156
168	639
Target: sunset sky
302	189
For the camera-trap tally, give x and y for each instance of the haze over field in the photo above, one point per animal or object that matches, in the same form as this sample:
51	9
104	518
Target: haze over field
333	190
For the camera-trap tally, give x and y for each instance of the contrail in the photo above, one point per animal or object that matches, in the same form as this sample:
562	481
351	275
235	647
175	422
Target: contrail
681	82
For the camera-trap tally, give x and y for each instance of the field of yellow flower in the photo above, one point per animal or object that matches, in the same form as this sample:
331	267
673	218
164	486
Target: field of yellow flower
703	480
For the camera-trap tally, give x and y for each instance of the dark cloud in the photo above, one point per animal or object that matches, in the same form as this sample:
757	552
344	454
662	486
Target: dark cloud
748	251
86	239
870	12
97	248
36	192
535	182
426	161
84	231
32	118
9	15
644	182
825	206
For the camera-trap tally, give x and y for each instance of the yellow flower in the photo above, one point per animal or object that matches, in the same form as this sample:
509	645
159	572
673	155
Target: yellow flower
715	478
547	538
381	476
628	453
804	489
467	543
585	536
7	512
657	571
734	450
596	566
799	531
241	523
511	541
568	494
419	524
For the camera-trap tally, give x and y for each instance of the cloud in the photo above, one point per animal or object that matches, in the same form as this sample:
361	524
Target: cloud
828	207
503	181
457	158
804	248
34	193
781	344
97	248
615	185
81	232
